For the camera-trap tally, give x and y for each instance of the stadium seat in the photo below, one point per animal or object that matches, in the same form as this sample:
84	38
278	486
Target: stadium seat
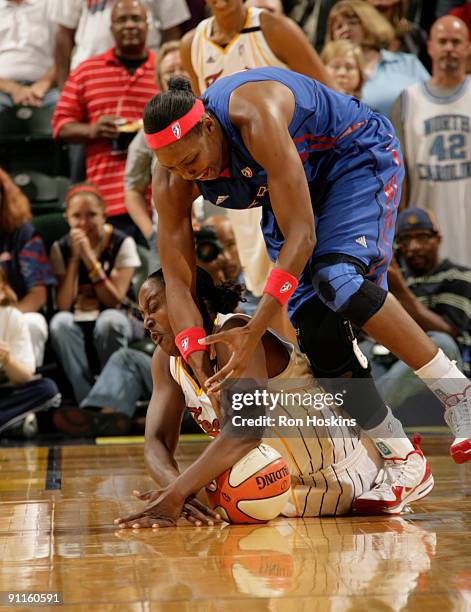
51	226
45	193
26	141
26	123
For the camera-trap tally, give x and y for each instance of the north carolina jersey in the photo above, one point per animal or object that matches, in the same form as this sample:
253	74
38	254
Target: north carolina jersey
351	160
324	462
437	133
247	50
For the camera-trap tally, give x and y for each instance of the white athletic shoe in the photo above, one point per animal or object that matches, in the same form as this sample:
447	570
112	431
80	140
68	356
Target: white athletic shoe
399	482
458	419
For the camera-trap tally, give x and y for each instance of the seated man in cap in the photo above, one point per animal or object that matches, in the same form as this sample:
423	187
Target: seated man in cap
436	293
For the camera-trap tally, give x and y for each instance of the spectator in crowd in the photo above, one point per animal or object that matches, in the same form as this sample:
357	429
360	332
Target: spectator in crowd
238	37
110	405
344	61
387	73
27	73
311	16
409	36
138	170
83	29
94	264
436	292
433	122
102	103
20	392
23	259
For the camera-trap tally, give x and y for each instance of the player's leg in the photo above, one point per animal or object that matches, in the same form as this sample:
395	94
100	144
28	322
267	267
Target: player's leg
326	339
357	218
393	327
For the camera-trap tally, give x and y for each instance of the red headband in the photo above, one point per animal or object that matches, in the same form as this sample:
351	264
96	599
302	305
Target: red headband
83	188
177	129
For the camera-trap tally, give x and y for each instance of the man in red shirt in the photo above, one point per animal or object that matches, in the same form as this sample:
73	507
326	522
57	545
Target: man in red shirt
101	100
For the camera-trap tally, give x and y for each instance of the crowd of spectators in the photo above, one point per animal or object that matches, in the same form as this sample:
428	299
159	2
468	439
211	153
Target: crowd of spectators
68	312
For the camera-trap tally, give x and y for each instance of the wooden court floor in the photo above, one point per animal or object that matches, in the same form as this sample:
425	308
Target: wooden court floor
56	534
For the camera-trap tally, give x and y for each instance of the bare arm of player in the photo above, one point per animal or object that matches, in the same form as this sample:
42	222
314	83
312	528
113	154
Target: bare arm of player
221	454
290	45
262	112
163	421
173	198
185	54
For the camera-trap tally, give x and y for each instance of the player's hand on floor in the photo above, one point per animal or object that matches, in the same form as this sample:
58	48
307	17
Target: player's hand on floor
199	514
242	344
164	511
148	496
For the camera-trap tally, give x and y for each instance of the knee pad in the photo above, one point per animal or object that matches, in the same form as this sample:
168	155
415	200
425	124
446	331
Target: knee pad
326	338
340	283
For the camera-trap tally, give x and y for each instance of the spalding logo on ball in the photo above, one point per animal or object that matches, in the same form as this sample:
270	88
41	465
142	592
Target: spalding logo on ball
254	490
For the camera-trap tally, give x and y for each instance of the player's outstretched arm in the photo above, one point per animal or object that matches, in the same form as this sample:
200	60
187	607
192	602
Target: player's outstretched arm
163	421
173	198
220	455
262	112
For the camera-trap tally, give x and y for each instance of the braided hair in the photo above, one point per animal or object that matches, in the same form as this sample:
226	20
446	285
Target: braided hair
168	106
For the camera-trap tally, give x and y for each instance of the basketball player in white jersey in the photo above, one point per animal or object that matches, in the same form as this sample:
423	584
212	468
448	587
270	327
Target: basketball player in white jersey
238	37
433	121
329	466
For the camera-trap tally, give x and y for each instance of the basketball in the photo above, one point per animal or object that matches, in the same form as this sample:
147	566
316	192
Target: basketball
254	490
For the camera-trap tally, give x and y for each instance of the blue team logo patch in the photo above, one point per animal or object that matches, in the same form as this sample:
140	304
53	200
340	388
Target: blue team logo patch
286	287
184	343
177	132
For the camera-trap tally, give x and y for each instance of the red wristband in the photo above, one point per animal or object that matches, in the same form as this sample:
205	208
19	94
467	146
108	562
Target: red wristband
280	285
187	341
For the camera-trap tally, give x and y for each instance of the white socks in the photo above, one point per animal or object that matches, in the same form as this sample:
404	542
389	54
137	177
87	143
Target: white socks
390	438
443	378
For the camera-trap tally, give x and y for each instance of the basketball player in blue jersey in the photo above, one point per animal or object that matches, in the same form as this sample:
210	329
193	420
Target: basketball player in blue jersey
329	466
327	171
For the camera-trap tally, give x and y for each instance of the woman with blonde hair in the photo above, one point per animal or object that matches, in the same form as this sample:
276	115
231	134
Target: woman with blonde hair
24	260
344	61
20	393
388	73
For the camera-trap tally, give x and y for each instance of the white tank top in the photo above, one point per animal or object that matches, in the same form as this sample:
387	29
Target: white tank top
248	49
309	450
438	154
